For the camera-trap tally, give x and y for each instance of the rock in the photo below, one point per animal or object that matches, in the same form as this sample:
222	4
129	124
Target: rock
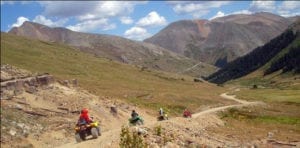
141	131
12	132
21	125
7	94
270	135
18	106
30	89
45	79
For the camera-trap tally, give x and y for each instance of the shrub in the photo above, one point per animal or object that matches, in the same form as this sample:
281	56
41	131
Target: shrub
130	140
158	130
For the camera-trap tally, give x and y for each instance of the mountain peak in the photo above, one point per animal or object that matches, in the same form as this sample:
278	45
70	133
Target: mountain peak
220	40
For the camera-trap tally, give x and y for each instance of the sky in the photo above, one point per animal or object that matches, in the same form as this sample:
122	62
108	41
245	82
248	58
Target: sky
135	20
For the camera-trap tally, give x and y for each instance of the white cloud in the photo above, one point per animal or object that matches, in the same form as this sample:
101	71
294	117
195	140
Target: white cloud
219	14
291	5
84	10
126	20
92	25
152	19
91	15
196	8
222	14
289	8
242	12
137	33
43	20
20	21
258	6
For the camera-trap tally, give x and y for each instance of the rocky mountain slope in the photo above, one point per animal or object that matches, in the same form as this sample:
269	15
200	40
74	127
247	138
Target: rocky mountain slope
280	54
115	48
220	40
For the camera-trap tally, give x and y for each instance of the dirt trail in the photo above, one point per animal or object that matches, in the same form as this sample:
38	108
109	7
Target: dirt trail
110	138
225	96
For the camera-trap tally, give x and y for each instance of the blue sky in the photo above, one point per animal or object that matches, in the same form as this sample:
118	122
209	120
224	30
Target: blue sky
135	20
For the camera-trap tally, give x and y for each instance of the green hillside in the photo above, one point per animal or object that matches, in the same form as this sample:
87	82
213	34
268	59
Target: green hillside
282	71
107	78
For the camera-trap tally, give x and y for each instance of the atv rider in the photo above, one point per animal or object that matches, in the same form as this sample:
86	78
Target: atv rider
135	118
84	117
161	112
134	114
187	113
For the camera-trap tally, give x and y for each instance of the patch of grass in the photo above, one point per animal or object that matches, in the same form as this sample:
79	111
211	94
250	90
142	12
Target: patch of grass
281	120
270	95
260	118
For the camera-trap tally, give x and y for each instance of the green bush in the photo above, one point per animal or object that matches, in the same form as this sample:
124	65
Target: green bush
130	140
158	130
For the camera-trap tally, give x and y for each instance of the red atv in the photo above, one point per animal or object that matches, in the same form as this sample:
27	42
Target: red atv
187	114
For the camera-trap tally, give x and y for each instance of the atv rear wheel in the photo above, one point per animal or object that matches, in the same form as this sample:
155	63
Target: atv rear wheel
94	132
78	137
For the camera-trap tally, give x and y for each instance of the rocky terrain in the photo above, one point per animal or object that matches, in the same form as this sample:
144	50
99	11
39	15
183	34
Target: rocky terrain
115	48
220	40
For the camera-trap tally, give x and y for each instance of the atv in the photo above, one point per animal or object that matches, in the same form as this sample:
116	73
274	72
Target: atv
187	114
138	120
162	117
82	130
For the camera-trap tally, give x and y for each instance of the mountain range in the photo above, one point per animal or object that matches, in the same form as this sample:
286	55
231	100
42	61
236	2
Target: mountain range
116	48
222	39
188	46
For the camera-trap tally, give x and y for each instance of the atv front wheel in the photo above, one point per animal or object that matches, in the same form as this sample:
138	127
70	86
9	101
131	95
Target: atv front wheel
94	132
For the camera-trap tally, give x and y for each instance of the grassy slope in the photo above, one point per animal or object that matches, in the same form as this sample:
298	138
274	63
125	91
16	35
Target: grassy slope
108	78
276	79
278	87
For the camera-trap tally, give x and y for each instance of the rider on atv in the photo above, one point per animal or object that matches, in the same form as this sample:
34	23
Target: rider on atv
161	112
84	117
135	118
88	124
162	115
187	114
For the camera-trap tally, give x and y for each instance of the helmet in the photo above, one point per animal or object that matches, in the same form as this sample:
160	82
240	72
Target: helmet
84	111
